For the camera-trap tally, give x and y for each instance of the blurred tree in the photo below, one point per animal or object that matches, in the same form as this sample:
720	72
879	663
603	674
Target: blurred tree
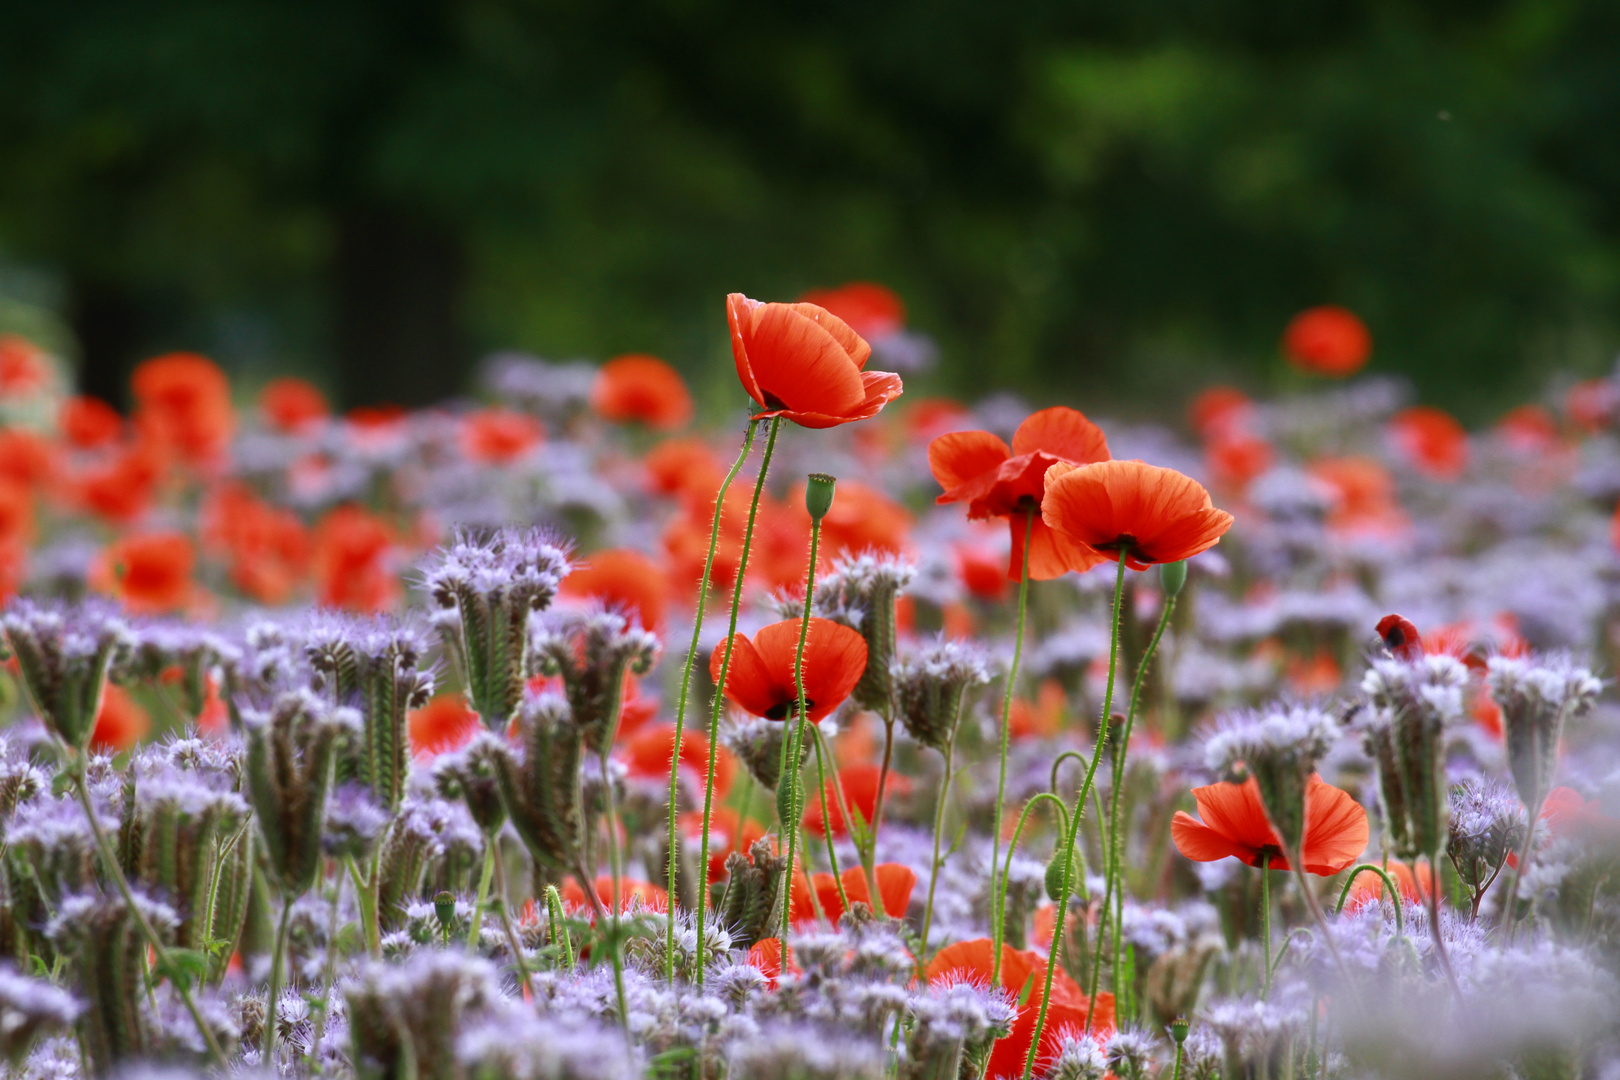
1097	198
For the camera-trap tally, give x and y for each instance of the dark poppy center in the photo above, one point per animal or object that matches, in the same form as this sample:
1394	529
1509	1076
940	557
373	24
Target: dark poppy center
772	401
1124	542
783	709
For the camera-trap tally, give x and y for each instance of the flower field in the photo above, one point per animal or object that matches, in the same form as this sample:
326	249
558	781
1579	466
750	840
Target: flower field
549	736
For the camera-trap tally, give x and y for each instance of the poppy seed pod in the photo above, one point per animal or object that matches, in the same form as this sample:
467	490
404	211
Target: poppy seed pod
290	757
486	587
1536	697
539	781
931	686
818	495
64	654
373	667
1173	577
861	593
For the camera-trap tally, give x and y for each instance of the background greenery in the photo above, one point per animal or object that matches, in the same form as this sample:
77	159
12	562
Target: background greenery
1092	197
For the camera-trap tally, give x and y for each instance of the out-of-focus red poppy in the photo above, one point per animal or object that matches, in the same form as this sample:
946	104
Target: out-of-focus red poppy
996	480
647	754
686	467
1235	461
121	489
149	573
1235	825
861	519
1592	404
1363	498
1528	429
624	579
860	783
13	568
632	894
894	882
26	457
1147	513
267	547
728	833
800	362
1042	718
290	405
183	403
499	436
869	309
760	679
1431	440
1413	887
121	722
1219	411
1314	676
442	725
353	551
983	573
1327	340
1023	977
767	956
23	368
16	511
1567	813
642	388
929	418
88	423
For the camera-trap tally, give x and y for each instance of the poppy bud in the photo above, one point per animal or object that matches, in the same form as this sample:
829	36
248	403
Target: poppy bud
818	495
1054	878
1172	576
1178	1029
444	909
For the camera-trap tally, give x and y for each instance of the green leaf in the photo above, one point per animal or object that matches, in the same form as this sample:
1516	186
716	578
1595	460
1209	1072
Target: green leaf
183	966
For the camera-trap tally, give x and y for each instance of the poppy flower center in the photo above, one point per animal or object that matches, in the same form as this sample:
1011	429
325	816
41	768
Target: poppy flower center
783	709
1123	543
772	401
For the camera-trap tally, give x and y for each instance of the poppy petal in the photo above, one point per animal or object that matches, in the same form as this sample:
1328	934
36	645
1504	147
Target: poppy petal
1200	843
962	456
749	685
1235	811
1061	432
798	365
850	341
895	884
1050	556
1336	828
834	661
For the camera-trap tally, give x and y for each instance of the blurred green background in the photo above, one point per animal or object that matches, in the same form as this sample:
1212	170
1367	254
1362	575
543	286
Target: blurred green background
1094	199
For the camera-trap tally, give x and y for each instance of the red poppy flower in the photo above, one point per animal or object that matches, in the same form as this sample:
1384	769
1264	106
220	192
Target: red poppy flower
1400	637
1237	459
121	722
1235	824
351	562
183	402
1153	515
120	490
930	418
26	457
623	579
291	405
1042	718
686	467
1219	411
150	574
894	881
767	956
16	511
632	894
1431	440
648	750
1023	976
642	388
995	480
1593	403
728	832
982	573
23	368
499	436
870	309
1529	429
760	679
1327	340
860	783
267	547
1363	497
442	725
803	363
1413	887
13	568
89	422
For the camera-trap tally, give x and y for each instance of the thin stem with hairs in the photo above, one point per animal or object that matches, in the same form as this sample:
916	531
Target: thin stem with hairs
998	917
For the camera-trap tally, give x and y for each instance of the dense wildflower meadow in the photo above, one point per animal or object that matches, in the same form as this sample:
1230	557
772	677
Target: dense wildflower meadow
545	736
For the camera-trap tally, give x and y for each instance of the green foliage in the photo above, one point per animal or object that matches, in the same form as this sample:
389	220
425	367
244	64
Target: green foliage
1098	197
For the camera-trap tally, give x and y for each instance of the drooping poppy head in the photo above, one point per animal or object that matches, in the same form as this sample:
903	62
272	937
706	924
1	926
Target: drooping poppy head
1400	637
1143	513
803	363
291	405
822	814
499	436
1431	440
869	309
121	722
623	579
642	388
760	679
1327	340
442	725
88	422
996	480
1235	825
149	573
183	403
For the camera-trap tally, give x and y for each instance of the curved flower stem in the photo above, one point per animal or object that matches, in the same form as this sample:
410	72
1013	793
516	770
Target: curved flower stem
109	860
1434	926
1296	859
558	923
475	927
1018	834
1389	890
939	827
823	757
512	941
686	685
1115	893
1079	812
998	916
278	960
1265	921
720	697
